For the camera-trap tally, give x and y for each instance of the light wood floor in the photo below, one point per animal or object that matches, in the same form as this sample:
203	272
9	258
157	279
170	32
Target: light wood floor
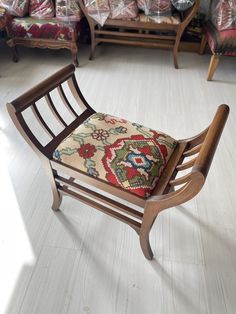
81	261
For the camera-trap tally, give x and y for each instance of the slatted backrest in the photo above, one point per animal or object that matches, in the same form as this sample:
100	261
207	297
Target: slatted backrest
43	92
192	158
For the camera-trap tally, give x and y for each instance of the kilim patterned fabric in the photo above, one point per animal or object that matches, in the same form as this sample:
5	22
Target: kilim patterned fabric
221	42
127	155
28	27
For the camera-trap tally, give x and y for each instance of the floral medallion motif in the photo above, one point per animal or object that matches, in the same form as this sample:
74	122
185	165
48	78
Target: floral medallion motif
124	154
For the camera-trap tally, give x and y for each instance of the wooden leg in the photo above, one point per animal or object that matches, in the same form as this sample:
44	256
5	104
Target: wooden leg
56	199
74	52
12	45
92	50
56	195
212	67
175	51
148	220
203	45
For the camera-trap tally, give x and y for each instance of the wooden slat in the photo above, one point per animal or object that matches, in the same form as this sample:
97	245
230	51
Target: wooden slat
75	90
100	184
66	102
170	169
141	25
186	165
181	180
136	43
37	92
27	133
50	147
54	110
121	207
192	151
41	121
132	223
133	35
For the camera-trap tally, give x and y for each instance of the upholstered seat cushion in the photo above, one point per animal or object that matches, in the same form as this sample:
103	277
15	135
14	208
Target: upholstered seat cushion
221	42
121	153
38	28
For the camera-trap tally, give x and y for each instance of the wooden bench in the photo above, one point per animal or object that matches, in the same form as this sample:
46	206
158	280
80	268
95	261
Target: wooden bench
136	33
67	179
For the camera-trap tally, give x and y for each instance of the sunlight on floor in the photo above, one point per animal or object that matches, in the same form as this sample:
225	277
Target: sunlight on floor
15	247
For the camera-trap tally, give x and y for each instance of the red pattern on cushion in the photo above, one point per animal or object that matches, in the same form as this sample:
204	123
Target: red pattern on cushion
34	28
223	14
118	152
41	9
221	42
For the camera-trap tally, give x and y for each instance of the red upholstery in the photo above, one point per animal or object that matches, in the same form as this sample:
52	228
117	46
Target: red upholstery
38	28
221	42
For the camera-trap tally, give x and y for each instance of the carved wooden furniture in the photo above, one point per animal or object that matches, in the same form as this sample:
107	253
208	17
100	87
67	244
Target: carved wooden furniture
221	43
140	33
142	154
43	33
4	17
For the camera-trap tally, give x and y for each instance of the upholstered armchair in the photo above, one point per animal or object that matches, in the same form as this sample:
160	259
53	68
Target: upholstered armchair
220	32
221	43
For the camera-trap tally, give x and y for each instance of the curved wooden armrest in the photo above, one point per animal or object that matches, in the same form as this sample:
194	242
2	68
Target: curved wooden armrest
182	195
203	145
191	12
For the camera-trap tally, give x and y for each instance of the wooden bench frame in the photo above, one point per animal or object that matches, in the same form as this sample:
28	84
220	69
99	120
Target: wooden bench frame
122	32
202	147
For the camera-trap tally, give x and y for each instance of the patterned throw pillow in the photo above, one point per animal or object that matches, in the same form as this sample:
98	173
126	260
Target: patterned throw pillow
68	10
118	152
41	9
159	7
16	7
99	10
123	9
223	14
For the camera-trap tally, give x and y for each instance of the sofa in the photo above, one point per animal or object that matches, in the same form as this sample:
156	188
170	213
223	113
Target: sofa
49	24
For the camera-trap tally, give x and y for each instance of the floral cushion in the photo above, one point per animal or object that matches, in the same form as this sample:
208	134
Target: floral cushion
124	154
221	42
34	28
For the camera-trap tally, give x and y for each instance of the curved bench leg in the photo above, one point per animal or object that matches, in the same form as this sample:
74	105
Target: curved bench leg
148	220
56	195
175	51
56	199
212	66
